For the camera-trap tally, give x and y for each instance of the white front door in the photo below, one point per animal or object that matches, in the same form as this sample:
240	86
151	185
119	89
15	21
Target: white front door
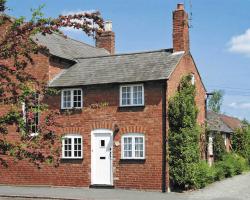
101	157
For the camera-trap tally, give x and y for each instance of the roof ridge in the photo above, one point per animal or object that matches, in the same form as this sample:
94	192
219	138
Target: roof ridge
170	50
230	117
67	37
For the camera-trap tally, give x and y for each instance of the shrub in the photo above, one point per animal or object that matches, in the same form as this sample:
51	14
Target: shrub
219	171
241	141
204	175
233	164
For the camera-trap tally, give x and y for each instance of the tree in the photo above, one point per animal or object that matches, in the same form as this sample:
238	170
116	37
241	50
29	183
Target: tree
19	88
184	135
215	101
241	141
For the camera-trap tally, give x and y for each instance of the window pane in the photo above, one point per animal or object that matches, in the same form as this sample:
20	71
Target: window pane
126	95
137	95
127	147
139	147
77	98
67	99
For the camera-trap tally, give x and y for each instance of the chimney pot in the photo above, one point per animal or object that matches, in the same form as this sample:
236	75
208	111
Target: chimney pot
180	6
108	26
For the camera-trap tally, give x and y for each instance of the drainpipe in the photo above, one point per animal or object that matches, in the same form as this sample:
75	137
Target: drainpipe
164	134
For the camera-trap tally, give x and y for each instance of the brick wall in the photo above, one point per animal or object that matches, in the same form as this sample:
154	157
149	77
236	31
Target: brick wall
127	174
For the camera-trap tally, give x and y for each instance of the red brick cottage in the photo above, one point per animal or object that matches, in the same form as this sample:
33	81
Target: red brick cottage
116	134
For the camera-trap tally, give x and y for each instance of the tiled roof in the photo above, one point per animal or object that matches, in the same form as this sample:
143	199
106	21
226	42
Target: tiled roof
215	123
232	122
120	68
65	47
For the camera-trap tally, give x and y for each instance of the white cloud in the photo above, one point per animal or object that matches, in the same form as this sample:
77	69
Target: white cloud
240	105
240	43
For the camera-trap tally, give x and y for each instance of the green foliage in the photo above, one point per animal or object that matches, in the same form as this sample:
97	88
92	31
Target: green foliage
215	101
233	164
184	136
37	14
204	174
219	148
219	172
241	142
182	109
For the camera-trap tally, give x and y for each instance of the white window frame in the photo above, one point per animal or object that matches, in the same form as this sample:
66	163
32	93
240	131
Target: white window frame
36	133
71	98
72	137
133	136
224	135
192	79
131	95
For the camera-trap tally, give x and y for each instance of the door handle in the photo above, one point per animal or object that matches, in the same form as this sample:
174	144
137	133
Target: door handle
102	158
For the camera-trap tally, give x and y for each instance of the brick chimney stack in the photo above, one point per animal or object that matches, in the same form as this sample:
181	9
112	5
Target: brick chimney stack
107	39
180	29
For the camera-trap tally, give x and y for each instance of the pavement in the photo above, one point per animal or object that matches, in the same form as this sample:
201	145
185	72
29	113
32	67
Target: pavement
236	188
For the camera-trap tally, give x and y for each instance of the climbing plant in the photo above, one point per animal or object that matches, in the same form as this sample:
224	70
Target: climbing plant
19	88
184	135
219	149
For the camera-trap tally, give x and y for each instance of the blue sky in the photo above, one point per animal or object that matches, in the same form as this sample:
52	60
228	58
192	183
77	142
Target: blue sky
220	36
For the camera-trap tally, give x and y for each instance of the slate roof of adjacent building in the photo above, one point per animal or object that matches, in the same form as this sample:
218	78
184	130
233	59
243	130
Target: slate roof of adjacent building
232	122
222	123
64	47
120	68
67	48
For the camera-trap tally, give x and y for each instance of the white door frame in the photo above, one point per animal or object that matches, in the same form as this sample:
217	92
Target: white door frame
101	131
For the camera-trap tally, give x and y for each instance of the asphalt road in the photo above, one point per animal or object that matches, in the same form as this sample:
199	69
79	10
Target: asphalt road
236	188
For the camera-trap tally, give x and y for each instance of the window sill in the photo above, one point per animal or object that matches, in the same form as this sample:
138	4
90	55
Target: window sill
131	106
71	110
34	134
132	161
71	158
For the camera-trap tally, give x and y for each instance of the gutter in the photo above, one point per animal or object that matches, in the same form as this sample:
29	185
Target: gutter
164	135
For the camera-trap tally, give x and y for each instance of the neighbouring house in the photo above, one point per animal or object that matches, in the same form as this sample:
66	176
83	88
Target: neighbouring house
117	130
220	124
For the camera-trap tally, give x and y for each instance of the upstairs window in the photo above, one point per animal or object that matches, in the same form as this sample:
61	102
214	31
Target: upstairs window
133	146
132	95
192	79
31	115
71	98
72	147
